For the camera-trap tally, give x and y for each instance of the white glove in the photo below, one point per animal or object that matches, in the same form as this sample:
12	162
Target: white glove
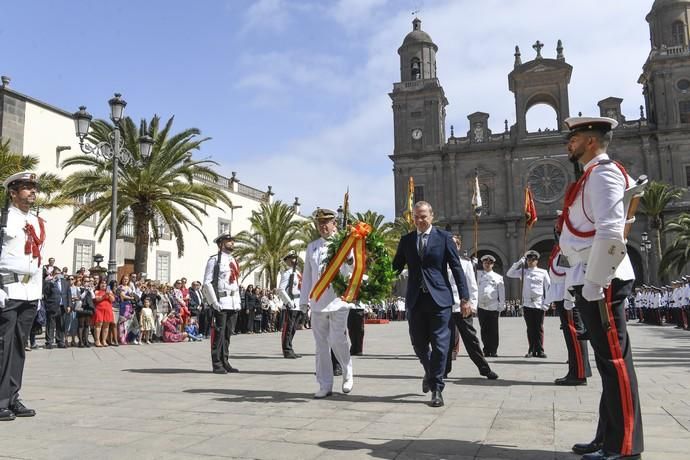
215	306
3	297
592	292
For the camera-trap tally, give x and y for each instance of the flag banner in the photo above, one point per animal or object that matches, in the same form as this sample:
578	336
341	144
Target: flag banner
530	208
346	207
408	213
477	197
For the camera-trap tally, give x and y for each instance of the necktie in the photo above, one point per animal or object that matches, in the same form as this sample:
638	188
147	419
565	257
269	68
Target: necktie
420	244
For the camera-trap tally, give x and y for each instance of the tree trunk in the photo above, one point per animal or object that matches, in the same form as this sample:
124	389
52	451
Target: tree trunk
141	241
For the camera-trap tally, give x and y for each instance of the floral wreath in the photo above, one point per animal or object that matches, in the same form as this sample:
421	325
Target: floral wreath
373	275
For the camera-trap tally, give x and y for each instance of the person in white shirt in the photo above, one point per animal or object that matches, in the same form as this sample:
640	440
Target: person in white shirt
20	287
289	293
601	277
329	313
222	292
491	302
535	285
462	324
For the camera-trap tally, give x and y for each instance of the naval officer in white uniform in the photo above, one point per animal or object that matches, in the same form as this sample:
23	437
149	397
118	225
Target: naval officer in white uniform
329	313
20	287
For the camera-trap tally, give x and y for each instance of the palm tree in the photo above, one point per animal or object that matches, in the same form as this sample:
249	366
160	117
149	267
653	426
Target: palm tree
387	230
307	233
653	203
677	255
274	232
157	192
12	163
48	183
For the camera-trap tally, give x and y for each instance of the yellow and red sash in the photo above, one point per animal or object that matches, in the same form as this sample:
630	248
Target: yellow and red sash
355	241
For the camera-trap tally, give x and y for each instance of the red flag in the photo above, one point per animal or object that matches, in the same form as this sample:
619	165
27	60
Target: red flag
530	209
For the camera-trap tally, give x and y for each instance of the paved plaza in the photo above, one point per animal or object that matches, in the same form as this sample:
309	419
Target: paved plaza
162	401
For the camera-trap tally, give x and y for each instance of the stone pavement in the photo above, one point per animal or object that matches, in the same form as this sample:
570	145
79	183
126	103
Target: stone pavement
161	401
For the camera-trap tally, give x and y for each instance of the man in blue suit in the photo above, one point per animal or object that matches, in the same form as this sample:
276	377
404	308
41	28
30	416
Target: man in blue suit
428	252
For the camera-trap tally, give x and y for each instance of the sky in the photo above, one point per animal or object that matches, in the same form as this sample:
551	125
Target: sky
294	93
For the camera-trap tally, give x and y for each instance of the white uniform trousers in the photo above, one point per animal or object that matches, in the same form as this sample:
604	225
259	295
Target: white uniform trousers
330	333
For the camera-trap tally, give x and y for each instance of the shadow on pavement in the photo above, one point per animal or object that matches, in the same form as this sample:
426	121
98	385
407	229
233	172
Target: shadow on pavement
167	371
443	448
528	361
235	395
482	381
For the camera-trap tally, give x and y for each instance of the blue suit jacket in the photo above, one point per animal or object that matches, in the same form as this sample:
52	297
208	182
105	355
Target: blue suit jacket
440	253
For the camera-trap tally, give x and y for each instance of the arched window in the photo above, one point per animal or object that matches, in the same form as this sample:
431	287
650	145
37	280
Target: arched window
678	34
541	117
415	69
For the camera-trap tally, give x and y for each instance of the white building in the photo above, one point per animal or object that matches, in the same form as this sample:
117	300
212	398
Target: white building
47	132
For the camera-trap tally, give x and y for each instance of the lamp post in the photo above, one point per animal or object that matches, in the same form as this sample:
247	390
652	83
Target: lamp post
113	149
646	247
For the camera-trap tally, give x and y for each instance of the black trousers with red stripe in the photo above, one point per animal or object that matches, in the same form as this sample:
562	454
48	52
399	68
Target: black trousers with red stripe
620	419
578	351
291	319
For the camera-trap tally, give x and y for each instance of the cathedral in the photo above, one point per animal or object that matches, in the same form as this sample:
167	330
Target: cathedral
443	167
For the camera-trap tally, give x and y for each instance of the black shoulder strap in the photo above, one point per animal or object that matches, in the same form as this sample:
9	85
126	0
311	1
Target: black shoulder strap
216	273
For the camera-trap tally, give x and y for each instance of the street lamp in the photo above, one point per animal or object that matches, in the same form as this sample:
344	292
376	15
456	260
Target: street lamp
112	149
646	247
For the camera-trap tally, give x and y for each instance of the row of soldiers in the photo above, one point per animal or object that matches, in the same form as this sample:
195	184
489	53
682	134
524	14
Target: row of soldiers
667	304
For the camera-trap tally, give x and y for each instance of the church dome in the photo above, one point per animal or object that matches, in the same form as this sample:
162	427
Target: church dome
417	36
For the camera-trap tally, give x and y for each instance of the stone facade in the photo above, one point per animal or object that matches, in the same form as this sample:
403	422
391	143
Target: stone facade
657	145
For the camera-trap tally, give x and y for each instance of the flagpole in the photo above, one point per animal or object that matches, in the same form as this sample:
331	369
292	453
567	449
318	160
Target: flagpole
476	234
524	262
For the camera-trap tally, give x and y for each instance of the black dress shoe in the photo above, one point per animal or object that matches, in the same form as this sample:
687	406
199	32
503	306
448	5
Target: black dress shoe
6	415
528	354
20	410
489	374
220	371
540	354
603	455
570	381
582	448
290	356
436	399
338	371
49	346
230	369
62	345
425	386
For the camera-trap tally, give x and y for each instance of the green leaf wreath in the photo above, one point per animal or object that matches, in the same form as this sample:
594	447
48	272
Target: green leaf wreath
379	273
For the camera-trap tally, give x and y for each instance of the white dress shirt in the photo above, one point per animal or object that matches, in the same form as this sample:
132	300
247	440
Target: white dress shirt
15	260
228	292
492	291
314	265
601	200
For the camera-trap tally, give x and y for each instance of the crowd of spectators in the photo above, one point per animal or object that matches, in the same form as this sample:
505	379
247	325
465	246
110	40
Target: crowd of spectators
84	309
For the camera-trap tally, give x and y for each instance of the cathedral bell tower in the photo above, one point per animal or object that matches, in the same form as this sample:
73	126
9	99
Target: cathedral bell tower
419	102
666	74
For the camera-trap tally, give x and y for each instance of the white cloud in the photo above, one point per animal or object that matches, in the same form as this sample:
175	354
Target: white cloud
476	44
266	14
